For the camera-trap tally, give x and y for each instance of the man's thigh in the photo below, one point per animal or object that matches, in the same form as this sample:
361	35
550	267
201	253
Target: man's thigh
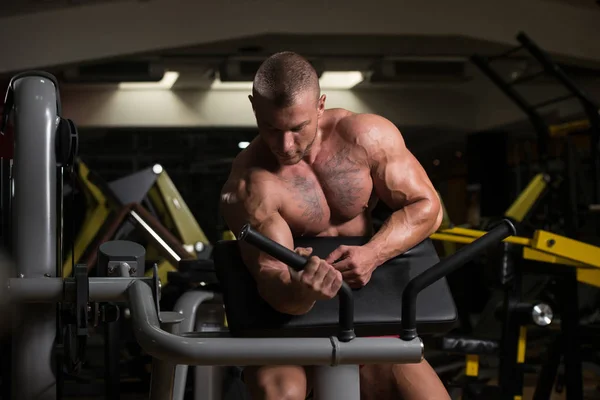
278	381
377	381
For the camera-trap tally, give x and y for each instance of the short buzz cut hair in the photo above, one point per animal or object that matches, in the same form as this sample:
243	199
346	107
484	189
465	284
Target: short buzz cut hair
283	76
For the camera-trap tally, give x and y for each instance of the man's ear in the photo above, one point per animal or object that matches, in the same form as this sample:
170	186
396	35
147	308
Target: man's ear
252	102
321	105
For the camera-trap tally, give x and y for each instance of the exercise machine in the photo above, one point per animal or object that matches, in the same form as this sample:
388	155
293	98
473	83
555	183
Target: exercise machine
566	261
153	188
330	337
579	208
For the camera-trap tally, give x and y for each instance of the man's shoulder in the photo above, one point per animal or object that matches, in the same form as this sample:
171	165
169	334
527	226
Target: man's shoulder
366	129
249	192
254	177
252	161
260	177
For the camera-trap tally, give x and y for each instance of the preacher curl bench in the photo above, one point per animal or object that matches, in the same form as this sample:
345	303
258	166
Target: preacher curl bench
406	293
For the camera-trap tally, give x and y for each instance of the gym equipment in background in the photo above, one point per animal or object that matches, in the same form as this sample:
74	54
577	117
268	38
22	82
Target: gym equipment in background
146	200
566	262
37	288
153	188
579	206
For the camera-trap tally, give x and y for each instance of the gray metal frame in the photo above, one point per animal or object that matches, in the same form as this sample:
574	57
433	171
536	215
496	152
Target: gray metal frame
209	378
36	290
34	216
333	357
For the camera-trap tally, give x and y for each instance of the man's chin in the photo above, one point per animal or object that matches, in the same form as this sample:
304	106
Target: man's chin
290	161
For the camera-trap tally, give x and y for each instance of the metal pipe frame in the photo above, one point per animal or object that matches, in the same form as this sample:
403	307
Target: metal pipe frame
187	305
162	384
260	351
47	290
215	351
338	360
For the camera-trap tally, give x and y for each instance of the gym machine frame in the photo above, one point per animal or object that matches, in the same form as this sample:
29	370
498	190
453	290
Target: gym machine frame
577	262
545	131
38	285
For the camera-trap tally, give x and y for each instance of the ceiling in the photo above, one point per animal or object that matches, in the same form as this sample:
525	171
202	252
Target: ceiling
585	4
20	7
197	64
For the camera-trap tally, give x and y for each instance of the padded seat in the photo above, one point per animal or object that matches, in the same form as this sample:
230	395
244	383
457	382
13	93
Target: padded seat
377	306
193	273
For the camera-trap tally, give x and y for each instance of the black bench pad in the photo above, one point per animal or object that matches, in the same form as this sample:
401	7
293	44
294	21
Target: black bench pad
377	306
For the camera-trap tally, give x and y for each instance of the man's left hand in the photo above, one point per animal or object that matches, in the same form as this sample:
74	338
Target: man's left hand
356	264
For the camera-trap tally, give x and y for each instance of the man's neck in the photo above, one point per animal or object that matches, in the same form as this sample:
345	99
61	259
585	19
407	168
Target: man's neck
313	152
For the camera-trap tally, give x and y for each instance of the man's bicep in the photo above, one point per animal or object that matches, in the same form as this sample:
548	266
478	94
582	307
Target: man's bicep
269	273
275	228
398	177
267	222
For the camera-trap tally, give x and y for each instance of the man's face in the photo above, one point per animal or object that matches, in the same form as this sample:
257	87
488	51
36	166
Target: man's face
289	131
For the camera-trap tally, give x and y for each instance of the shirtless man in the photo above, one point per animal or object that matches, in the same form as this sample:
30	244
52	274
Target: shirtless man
318	172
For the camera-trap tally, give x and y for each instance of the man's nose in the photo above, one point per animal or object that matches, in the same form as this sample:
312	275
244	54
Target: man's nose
288	142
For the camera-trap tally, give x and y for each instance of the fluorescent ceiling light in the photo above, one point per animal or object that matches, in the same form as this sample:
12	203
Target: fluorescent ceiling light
243	145
328	80
166	82
217	84
340	79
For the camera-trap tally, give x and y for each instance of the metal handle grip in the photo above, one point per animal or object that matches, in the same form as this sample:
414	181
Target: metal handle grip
271	247
297	262
443	268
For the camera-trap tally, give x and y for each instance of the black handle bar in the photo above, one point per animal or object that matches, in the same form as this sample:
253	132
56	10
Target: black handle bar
297	262
409	298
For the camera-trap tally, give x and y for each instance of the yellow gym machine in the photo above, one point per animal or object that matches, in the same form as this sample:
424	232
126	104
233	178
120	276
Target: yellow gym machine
549	253
575	261
579	262
172	231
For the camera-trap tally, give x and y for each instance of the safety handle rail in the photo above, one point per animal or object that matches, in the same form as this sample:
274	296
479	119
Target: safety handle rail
298	262
409	298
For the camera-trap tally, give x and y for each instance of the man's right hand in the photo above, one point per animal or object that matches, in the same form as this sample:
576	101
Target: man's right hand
318	280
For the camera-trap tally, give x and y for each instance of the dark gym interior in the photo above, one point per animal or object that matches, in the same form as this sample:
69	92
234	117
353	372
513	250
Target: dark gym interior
121	121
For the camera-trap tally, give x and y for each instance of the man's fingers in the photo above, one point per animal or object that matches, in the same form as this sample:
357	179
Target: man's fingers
304	251
337	284
355	280
343	265
321	273
349	275
293	273
309	270
329	277
336	254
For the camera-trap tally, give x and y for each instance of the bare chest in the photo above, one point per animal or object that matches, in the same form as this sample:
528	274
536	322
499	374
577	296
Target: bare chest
326	196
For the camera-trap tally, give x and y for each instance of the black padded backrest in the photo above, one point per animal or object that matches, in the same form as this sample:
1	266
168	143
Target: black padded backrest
377	306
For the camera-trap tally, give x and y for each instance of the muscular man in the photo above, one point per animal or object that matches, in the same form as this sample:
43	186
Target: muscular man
318	172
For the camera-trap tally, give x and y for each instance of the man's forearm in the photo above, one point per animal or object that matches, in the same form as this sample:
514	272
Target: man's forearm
404	229
282	294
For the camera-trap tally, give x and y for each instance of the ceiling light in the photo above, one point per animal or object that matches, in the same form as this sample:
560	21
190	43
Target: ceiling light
328	80
340	79
217	84
243	145
167	82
